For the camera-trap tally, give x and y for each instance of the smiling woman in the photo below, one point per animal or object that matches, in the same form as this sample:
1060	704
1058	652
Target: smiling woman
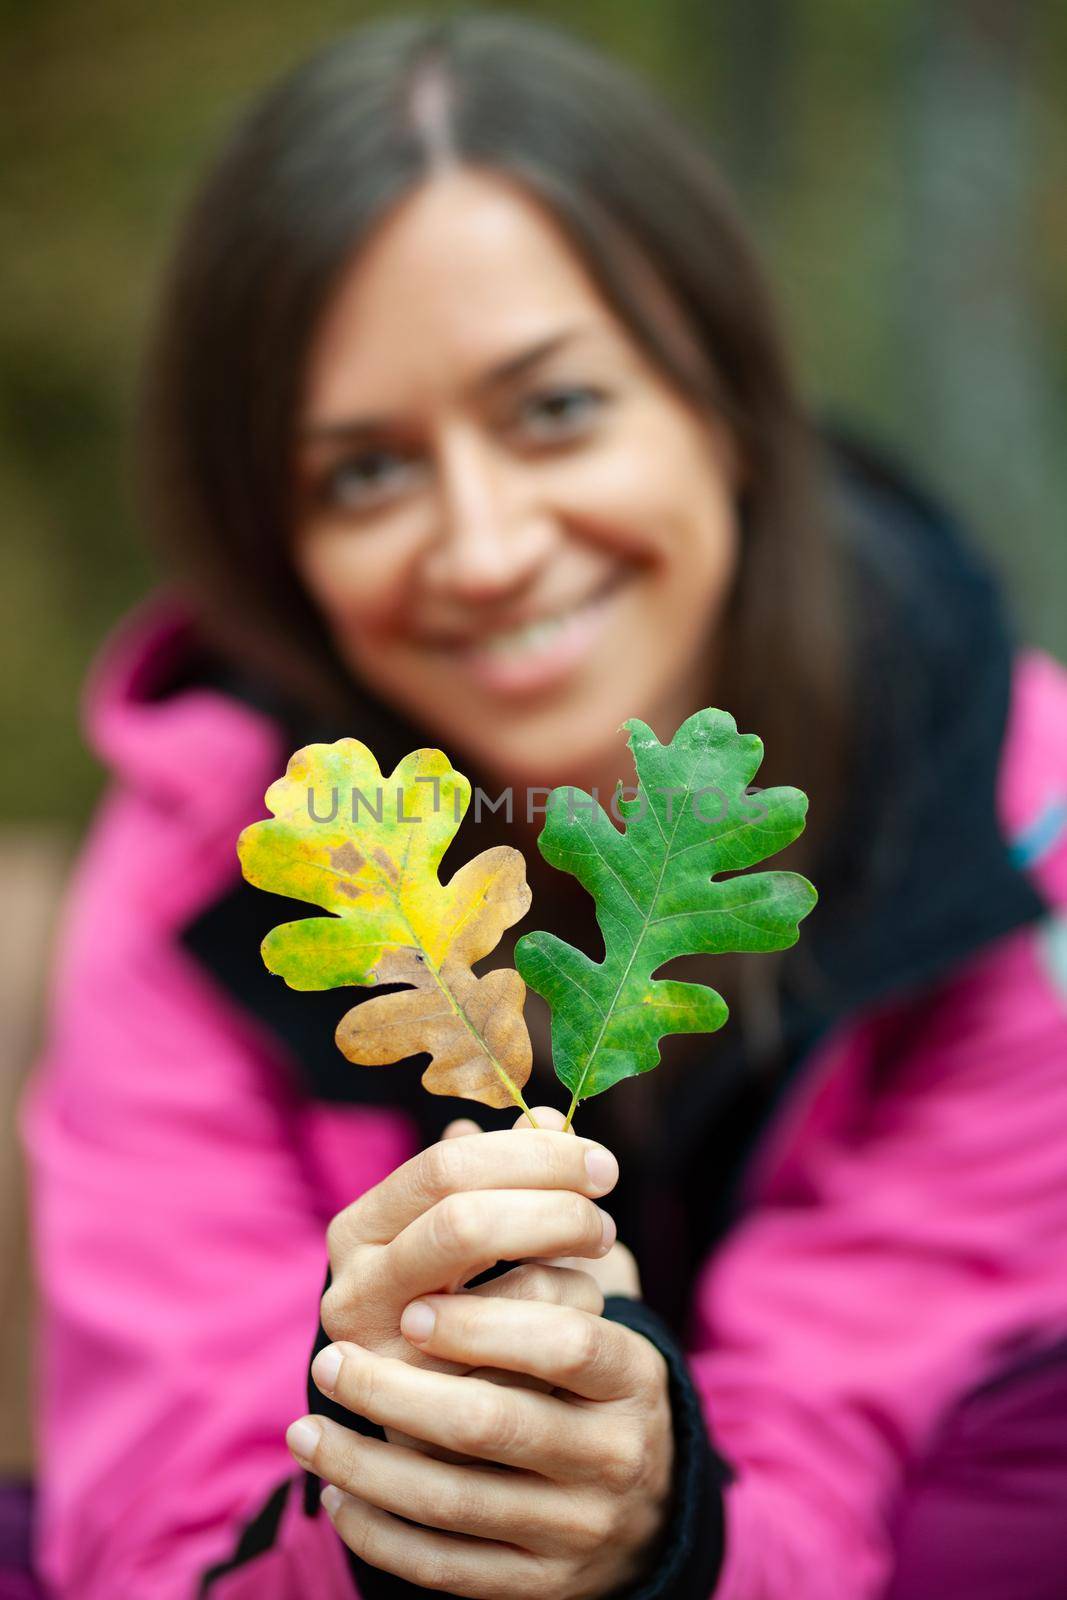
467	424
522	426
536	536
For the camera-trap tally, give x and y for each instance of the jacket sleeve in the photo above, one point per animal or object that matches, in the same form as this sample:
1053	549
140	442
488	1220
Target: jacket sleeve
179	1242
904	1248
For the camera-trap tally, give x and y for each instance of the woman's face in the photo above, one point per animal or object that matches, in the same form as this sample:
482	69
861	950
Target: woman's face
515	529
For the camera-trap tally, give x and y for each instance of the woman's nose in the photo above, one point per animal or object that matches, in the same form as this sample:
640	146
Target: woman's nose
492	536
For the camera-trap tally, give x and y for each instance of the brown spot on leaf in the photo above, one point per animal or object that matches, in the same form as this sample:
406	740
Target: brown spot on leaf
346	857
386	862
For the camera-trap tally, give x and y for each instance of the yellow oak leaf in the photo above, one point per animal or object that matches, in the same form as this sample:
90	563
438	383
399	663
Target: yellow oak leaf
367	848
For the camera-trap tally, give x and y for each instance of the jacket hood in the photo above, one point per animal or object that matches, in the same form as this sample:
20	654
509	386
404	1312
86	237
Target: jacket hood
918	875
920	872
153	715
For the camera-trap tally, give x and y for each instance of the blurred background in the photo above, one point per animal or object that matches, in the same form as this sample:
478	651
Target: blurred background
903	164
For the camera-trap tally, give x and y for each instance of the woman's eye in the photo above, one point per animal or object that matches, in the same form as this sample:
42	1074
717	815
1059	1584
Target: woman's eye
365	479
560	413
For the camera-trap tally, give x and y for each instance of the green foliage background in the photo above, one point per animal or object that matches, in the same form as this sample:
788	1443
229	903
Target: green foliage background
902	164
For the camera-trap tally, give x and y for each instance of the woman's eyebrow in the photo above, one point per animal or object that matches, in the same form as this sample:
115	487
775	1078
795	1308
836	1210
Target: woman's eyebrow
502	372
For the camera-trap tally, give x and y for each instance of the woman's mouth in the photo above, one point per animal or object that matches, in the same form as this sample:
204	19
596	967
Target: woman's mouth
538	654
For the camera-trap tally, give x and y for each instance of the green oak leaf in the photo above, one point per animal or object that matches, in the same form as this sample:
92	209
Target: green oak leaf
657	896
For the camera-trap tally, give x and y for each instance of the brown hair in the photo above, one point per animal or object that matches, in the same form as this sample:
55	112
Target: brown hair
301	182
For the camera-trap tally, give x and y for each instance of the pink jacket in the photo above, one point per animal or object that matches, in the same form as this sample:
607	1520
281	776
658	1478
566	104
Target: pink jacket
895	1242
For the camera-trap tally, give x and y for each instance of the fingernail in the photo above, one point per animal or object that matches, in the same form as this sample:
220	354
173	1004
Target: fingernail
418	1321
607	1223
603	1169
302	1438
325	1367
332	1499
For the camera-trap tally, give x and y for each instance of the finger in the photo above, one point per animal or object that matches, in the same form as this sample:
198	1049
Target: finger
430	1560
460	1127
465	1233
572	1350
548	1119
515	1427
520	1380
558	1286
616	1273
511	1159
555	1285
519	1508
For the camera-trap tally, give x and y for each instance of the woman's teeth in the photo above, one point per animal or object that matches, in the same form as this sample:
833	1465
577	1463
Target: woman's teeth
531	636
540	654
535	635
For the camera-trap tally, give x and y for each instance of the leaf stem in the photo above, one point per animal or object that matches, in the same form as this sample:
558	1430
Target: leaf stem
531	1119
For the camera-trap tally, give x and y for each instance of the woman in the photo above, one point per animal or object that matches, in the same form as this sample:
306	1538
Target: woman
468	425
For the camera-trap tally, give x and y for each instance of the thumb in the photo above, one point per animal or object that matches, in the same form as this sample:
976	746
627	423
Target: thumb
460	1127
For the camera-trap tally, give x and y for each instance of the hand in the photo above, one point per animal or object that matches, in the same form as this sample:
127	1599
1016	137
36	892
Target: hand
363	1306
390	1245
615	1273
568	1489
364	1303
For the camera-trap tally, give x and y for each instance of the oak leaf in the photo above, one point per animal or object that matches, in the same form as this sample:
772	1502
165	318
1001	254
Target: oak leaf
657	897
367	849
